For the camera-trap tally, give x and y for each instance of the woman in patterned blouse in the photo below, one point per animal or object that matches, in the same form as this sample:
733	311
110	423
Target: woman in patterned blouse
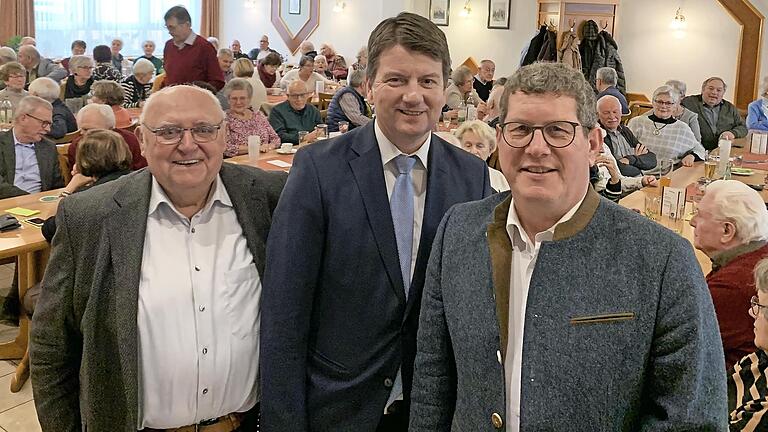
137	86
243	122
102	55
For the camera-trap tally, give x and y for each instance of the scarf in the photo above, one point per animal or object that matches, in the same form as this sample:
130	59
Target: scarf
72	90
267	79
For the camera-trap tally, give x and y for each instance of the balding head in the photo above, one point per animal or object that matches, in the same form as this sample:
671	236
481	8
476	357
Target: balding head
28	40
609	112
28	56
96	116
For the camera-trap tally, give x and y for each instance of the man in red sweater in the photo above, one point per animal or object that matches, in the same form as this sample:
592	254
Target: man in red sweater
187	56
731	227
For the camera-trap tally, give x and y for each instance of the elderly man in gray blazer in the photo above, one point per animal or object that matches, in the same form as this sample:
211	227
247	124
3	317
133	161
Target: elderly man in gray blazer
37	66
149	315
552	309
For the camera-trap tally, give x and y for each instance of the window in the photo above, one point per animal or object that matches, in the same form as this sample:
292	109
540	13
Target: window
97	22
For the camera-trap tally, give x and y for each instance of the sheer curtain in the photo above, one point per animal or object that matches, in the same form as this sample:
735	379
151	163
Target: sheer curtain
97	22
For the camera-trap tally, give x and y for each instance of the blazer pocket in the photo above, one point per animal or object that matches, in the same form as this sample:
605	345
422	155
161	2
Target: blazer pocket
328	363
603	318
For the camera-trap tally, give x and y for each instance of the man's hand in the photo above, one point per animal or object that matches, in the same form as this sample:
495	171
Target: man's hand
650	181
640	150
312	136
688	160
727	135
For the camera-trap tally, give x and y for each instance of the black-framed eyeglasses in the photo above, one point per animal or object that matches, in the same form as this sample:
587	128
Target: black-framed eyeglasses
557	134
171	135
755	306
45	124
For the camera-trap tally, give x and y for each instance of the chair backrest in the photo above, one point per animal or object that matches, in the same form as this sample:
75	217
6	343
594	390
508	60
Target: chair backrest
325	100
639	97
157	84
324	115
266	108
63	88
638	108
66	170
131	127
68	138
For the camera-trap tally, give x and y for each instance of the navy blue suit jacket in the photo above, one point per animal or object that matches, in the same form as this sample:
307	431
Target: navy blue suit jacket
335	321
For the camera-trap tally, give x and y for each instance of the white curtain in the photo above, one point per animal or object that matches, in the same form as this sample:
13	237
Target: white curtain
97	22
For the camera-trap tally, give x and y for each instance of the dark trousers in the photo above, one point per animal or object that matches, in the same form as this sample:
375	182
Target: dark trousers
395	420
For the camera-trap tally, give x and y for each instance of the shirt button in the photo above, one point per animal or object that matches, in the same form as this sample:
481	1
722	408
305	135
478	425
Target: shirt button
387	383
205	391
496	420
202	308
197	268
193	230
205	351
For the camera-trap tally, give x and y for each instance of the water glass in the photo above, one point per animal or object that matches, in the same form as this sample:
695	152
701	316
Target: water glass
652	206
322	131
303	137
254	147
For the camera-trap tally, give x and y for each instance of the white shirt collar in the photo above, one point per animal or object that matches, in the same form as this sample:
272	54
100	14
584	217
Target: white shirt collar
158	196
520	238
389	151
190	40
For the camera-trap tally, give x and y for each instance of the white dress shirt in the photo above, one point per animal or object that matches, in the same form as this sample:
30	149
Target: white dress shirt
419	178
524	255
198	314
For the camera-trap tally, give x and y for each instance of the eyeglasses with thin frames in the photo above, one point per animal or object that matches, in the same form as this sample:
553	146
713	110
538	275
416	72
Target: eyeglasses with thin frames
172	135
557	134
663	103
45	124
755	306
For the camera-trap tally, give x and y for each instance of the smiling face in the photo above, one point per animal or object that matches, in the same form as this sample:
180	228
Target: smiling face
712	93
78	49
16	81
664	106
225	62
408	95
239	101
189	165
542	177
609	112
149	48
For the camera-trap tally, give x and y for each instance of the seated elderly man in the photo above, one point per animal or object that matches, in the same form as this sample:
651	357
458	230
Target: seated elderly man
237	50
731	227
63	120
306	48
492	107
664	135
226	58
264	50
100	116
483	81
633	157
29	163
294	115
336	63
38	66
718	118
605	82
27	40
348	104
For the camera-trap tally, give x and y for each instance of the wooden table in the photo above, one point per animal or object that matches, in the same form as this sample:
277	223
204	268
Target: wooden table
30	249
264	160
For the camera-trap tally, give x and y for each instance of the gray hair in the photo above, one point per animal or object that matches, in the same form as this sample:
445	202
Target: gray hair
461	74
761	275
77	61
213	41
154	95
45	88
226	52
356	78
557	79
149	42
305	60
479	128
708	80
238	84
7	54
678	85
143	66
667	90
27	104
363	52
607	75
306	47
321	57
31	51
105	111
737	203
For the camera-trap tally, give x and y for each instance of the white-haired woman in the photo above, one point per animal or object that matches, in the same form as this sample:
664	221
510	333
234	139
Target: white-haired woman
63	121
321	66
682	113
479	139
137	86
336	63
663	134
243	68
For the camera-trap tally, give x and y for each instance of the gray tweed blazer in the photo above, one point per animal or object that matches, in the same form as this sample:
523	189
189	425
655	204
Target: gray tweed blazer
84	346
620	331
47	163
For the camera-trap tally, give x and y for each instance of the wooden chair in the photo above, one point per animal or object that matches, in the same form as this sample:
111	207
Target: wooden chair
66	170
63	88
68	138
324	115
639	97
131	127
266	108
638	108
472	64
325	100
157	84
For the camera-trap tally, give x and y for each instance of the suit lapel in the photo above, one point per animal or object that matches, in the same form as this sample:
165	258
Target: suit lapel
126	227
9	157
252	211
500	248
369	175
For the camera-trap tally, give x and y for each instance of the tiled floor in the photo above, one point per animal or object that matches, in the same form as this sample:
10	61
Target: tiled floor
17	410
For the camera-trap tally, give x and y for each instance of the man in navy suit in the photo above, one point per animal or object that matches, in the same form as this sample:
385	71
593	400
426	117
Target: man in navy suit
349	245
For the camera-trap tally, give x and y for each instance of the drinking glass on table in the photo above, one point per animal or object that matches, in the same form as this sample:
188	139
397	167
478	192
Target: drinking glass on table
652	206
303	137
665	171
322	131
710	168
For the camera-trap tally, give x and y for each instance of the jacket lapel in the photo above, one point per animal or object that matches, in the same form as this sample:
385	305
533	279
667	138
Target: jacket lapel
9	156
251	209
369	175
125	227
500	248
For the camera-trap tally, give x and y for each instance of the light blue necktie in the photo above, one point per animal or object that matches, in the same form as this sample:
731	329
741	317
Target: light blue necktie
401	205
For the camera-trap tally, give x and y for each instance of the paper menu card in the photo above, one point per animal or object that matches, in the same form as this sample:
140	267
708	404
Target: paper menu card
673	202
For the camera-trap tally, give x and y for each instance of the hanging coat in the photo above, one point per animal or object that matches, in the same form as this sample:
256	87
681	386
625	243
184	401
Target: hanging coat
535	47
611	59
569	51
548	52
588	49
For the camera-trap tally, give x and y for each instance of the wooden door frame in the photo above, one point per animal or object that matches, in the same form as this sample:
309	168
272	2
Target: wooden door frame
750	47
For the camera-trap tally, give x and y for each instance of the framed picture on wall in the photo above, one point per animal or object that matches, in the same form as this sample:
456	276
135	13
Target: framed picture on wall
439	11
498	14
294	7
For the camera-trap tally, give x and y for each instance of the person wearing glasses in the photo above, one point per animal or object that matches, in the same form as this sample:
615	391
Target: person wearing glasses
149	314
731	227
78	84
665	136
305	74
551	308
295	115
14	76
747	388
187	56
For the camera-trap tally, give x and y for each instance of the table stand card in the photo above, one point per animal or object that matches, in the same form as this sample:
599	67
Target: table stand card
673	202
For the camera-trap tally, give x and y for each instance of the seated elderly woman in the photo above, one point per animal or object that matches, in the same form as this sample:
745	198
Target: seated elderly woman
664	135
336	63
105	70
479	139
243	68
321	66
748	379
268	73
757	111
461	90
362	59
102	156
682	113
110	93
63	121
79	82
243	122
14	76
137	87
305	73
